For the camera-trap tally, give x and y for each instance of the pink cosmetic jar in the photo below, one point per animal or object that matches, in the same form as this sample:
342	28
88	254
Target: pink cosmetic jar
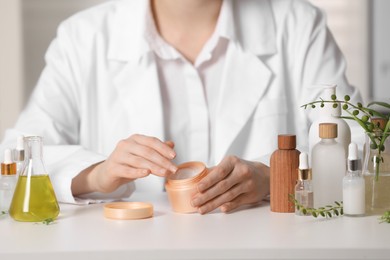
181	186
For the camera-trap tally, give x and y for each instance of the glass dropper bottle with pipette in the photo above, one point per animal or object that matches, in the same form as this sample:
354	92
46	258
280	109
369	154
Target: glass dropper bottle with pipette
34	199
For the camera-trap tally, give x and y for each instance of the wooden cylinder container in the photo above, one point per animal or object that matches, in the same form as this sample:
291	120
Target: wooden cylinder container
284	174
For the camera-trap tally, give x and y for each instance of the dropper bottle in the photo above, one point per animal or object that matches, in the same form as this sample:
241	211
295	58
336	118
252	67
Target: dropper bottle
353	185
304	188
7	181
19	154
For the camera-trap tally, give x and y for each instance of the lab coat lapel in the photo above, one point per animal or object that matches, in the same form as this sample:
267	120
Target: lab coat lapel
244	82
139	90
133	68
246	77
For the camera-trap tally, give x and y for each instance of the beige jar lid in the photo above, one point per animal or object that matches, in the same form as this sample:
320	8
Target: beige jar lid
128	210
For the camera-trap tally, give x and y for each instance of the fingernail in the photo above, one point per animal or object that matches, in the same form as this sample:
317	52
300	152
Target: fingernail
195	202
172	155
201	211
201	187
224	209
173	169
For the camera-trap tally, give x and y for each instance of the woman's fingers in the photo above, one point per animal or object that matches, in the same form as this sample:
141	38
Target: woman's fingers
234	182
222	187
233	204
145	152
217	174
222	199
130	172
170	144
147	158
155	144
133	158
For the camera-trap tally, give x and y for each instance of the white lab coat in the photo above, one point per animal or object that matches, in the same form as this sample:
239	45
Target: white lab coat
100	84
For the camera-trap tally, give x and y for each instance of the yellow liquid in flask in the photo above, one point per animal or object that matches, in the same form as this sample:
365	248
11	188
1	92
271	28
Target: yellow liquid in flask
34	199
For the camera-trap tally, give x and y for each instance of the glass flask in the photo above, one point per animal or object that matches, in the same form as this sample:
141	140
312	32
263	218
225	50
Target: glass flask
34	199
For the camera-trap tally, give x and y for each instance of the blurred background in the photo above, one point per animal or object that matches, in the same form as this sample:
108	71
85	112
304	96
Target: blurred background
360	27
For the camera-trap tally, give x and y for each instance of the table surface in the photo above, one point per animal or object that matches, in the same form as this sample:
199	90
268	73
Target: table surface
251	233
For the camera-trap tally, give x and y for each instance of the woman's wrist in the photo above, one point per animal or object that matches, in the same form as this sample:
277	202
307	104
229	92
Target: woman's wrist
86	181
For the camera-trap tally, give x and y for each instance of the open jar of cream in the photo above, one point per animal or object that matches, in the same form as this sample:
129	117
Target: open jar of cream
181	186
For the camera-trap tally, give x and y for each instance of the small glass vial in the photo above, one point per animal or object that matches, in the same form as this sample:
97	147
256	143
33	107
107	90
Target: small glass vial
7	181
181	186
353	185
304	188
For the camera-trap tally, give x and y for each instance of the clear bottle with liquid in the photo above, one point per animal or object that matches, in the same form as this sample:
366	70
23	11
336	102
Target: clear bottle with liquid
7	181
34	199
304	187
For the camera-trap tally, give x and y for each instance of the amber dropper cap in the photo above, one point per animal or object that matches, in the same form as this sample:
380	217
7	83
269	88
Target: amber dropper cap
328	130
287	142
8	167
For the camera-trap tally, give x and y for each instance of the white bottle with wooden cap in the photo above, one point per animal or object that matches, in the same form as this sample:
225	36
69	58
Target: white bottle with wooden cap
328	167
329	114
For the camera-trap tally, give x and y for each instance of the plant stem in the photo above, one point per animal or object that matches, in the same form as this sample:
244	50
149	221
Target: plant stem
328	211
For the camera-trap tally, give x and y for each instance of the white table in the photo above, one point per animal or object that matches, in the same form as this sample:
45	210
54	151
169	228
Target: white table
82	232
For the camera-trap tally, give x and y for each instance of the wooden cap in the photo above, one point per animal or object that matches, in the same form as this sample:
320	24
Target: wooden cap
328	130
379	122
287	142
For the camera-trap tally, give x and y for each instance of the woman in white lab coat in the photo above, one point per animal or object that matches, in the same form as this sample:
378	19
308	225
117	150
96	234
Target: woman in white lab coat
133	88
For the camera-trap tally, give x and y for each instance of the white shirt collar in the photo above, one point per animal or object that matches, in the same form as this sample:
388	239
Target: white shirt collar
250	23
224	28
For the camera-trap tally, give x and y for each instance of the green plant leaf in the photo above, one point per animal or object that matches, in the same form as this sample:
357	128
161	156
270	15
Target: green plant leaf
373	112
48	221
383	104
385	218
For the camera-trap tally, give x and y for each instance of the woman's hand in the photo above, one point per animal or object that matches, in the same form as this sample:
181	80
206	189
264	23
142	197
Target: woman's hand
133	158
232	183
